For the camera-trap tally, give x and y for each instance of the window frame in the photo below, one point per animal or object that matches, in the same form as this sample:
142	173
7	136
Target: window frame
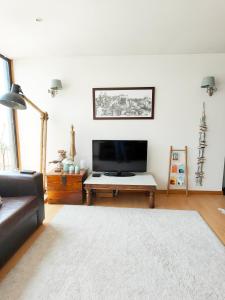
14	113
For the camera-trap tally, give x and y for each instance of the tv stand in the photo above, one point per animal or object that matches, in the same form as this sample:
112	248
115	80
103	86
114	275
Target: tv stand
139	182
119	174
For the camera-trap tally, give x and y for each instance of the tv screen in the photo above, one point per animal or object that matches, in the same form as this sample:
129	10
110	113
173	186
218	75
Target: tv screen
119	155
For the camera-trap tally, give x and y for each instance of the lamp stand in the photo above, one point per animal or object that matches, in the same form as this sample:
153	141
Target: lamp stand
43	143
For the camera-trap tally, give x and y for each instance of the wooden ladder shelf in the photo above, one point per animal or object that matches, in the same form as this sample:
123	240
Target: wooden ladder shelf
185	171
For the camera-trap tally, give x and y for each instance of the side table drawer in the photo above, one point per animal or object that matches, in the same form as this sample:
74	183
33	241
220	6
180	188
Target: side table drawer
64	183
64	197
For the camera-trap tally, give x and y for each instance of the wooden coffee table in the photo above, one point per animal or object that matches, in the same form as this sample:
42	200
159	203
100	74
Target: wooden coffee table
140	182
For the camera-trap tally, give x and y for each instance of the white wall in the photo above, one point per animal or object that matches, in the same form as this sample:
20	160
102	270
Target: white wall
178	107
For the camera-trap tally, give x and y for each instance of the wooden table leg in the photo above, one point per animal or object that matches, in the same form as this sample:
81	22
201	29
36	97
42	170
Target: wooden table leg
88	196
151	199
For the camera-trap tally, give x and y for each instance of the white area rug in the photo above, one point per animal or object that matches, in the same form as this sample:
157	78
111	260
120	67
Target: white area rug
120	253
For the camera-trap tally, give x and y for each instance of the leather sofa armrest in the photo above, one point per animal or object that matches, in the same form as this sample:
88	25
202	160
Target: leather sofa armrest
14	184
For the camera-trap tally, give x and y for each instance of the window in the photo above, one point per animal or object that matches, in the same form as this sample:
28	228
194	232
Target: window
8	149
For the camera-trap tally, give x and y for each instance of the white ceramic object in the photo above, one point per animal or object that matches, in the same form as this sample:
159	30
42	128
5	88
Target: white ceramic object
71	169
77	169
82	164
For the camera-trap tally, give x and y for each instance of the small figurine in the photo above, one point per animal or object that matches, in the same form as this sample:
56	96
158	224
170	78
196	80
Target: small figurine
58	162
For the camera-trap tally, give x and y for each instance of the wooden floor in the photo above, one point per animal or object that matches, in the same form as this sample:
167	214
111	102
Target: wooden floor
206	205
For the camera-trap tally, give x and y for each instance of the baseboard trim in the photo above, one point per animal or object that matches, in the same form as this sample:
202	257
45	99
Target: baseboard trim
190	192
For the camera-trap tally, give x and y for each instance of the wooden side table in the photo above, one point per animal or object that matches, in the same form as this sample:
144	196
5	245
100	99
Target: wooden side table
64	188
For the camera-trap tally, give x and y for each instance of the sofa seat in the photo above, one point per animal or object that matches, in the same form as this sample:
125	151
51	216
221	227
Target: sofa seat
13	211
22	210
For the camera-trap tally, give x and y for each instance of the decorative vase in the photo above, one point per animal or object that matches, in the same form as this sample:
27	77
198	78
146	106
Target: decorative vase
66	167
72	143
77	169
66	164
71	169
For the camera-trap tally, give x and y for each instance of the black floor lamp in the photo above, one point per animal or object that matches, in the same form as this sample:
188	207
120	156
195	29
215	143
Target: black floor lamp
17	100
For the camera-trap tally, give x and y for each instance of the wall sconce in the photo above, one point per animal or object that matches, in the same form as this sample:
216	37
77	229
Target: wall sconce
209	83
55	86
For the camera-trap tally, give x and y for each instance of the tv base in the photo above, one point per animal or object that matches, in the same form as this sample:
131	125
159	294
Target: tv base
119	174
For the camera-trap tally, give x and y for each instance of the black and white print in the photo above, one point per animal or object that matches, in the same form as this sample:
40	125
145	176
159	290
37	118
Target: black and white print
123	103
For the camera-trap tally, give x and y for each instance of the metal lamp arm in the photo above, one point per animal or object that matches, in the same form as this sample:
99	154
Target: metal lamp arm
43	146
33	105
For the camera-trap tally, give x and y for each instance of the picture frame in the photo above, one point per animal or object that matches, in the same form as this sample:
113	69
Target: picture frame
123	103
175	156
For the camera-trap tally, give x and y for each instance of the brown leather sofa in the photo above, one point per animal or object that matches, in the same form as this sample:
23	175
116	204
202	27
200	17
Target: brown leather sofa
22	210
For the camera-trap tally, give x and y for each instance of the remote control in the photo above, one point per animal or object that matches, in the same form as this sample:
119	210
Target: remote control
96	175
29	172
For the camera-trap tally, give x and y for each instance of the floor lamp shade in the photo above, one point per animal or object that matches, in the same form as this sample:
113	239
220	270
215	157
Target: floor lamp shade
13	99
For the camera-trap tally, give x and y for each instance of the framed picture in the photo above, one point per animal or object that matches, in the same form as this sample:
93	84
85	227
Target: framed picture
123	103
175	156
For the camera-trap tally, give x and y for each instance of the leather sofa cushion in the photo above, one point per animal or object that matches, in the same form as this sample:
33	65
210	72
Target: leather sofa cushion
14	210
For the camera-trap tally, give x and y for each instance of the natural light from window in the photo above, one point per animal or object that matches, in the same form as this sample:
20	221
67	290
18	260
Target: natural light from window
7	134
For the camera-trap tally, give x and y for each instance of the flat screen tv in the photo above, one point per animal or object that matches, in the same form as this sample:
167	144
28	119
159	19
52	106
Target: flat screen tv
119	157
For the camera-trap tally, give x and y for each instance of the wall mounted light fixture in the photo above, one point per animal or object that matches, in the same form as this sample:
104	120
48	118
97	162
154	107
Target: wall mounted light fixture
55	86
210	85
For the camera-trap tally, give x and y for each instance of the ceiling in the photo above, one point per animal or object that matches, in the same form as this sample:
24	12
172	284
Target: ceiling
111	27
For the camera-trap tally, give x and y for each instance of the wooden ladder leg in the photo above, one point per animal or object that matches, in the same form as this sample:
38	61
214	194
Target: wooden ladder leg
186	170
168	184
